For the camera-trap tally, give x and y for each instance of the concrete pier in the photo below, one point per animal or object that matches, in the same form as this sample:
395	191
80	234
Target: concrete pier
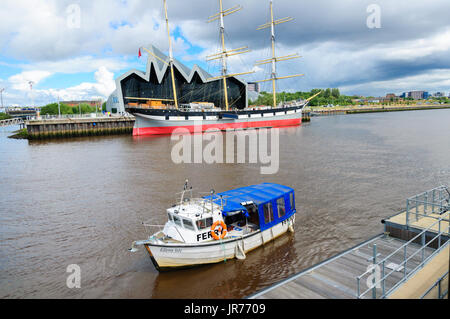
306	116
71	127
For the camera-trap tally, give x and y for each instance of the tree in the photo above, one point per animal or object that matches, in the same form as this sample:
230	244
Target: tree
335	93
4	116
52	109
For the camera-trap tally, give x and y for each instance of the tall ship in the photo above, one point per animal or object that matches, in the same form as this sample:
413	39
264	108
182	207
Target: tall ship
169	95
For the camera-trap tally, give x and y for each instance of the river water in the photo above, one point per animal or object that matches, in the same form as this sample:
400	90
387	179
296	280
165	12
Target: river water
82	201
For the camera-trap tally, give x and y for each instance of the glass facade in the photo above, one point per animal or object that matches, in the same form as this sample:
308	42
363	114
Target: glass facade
187	92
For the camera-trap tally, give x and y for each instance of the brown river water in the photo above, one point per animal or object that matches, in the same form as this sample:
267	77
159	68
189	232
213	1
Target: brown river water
82	201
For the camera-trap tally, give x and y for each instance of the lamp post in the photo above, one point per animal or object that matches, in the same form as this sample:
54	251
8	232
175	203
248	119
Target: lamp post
59	109
1	95
31	90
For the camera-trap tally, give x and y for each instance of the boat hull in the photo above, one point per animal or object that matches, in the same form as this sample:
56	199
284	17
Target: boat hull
148	123
170	257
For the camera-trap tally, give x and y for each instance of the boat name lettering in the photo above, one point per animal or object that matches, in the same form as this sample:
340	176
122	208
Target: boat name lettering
171	250
204	236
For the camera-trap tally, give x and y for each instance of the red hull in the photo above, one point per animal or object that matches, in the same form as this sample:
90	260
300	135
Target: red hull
164	130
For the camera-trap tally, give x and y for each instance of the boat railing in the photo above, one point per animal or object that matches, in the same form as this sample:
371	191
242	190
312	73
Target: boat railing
188	196
375	282
152	229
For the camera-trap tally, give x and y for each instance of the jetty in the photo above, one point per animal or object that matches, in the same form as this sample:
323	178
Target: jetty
324	111
79	126
409	260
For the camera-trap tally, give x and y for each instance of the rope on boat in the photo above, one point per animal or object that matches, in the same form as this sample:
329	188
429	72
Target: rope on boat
224	251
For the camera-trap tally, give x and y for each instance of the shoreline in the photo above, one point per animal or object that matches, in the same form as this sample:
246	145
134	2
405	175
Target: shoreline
357	110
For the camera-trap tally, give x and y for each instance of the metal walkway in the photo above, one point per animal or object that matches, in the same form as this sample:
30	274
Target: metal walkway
336	278
11	122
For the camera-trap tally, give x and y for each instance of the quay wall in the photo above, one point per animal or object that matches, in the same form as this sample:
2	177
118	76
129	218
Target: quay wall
306	116
67	127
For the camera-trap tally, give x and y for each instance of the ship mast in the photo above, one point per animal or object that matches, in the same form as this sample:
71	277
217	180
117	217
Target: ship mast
225	54
171	57
274	58
171	60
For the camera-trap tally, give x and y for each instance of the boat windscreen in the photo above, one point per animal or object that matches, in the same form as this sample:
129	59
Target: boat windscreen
230	214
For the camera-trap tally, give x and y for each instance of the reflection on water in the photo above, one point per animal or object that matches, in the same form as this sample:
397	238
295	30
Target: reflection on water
82	201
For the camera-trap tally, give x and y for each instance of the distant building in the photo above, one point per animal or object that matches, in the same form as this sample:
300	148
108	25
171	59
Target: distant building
417	95
76	103
439	94
405	95
253	87
112	104
391	96
141	88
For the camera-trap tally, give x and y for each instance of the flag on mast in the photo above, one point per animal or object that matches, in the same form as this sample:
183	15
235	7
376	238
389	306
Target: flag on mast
140	54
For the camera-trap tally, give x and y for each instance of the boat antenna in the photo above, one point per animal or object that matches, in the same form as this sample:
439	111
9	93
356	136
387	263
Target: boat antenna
212	194
274	58
225	54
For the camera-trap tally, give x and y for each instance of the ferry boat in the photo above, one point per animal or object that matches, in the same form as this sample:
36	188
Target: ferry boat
219	111
220	227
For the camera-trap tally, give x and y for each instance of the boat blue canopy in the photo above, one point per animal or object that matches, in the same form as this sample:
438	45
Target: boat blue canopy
258	194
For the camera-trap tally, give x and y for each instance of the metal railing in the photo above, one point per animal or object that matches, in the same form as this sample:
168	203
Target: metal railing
150	227
11	122
79	116
435	201
380	266
438	284
159	228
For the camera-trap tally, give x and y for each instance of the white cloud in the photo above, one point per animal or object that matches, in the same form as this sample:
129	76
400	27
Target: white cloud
22	81
332	37
102	88
421	48
80	64
18	89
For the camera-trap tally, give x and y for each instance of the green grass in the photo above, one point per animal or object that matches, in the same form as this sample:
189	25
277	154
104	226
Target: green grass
20	134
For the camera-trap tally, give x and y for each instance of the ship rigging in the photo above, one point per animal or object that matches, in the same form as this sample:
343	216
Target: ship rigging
198	99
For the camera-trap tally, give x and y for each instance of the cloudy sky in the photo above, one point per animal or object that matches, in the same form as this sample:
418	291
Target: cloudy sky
74	49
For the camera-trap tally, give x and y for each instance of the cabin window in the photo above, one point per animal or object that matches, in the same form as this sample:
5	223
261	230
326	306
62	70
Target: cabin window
237	218
188	224
170	217
291	195
204	223
177	220
281	205
252	210
268	213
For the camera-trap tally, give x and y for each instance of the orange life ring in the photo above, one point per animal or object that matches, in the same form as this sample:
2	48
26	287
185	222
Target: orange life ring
223	230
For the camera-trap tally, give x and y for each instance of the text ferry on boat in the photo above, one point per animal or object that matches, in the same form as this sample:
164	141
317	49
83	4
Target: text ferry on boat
220	227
